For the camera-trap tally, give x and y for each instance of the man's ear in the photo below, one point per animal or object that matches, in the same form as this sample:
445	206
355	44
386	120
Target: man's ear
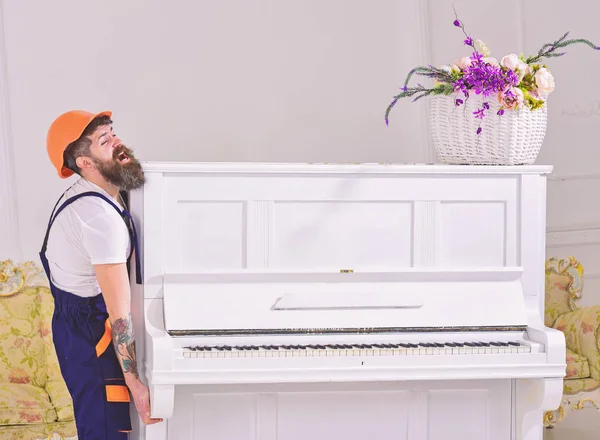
84	163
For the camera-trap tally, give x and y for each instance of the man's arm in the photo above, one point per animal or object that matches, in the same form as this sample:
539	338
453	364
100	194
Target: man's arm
114	283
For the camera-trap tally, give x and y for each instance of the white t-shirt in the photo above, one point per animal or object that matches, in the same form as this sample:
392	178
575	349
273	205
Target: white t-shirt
87	232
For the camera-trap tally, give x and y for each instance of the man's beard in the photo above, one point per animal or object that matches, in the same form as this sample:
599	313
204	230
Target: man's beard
126	176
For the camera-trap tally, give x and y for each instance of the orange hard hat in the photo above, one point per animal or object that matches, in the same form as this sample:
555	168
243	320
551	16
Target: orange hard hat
65	129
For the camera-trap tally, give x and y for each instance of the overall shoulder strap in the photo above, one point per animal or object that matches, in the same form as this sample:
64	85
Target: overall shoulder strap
123	213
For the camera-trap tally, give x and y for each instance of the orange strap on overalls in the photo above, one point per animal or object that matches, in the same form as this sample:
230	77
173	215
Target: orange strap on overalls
105	340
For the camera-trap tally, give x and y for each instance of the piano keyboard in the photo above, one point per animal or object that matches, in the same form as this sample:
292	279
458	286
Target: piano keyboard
318	350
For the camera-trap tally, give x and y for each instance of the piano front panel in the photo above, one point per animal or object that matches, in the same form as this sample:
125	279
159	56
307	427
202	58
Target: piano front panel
207	235
342	234
461	410
339	222
491	236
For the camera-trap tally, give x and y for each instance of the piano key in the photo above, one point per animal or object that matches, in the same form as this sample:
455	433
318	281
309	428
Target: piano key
363	349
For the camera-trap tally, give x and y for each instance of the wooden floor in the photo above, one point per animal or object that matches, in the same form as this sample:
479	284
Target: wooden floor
579	425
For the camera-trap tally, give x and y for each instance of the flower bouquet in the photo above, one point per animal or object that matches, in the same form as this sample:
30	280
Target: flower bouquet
506	124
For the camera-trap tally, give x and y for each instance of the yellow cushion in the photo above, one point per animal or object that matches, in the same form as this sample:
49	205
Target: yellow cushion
581	329
564	285
23	329
24	404
28	360
576	386
578	366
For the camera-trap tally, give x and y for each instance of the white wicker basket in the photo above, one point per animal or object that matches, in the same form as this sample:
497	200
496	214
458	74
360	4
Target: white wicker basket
515	138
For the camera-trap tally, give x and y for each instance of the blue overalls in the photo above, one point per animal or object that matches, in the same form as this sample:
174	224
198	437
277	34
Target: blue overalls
83	341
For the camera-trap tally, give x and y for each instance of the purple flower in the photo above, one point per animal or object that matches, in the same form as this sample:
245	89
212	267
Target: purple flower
456	23
459	102
486	106
484	78
479	113
500	112
469	41
477	57
479	130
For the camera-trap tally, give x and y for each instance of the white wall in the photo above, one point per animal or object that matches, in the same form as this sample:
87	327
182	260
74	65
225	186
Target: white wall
211	81
10	243
573	135
280	80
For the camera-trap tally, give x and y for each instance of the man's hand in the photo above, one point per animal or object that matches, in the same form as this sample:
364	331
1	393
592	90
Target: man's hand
141	398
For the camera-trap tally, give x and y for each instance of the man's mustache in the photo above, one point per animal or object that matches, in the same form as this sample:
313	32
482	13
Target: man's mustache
122	149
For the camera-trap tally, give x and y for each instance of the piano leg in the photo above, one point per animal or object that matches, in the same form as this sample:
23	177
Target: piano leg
162	401
533	398
158	431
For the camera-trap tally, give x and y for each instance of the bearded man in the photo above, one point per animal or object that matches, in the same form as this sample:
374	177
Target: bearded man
89	241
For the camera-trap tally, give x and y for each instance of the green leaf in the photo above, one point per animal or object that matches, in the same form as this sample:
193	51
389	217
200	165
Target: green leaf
531	102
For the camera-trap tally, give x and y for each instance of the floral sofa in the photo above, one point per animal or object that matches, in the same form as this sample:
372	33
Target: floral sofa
580	325
34	400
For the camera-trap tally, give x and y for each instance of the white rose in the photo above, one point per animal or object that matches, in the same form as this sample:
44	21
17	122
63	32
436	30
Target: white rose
491	60
544	81
513	62
463	62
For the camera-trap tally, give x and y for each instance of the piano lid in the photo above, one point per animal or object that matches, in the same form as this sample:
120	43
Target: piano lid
298	303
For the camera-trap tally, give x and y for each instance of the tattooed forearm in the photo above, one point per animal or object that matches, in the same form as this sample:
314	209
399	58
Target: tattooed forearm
123	340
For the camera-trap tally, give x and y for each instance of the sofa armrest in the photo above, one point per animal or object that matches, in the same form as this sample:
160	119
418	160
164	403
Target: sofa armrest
581	330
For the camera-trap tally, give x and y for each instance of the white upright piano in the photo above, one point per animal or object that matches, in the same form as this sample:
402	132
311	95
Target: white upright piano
344	302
